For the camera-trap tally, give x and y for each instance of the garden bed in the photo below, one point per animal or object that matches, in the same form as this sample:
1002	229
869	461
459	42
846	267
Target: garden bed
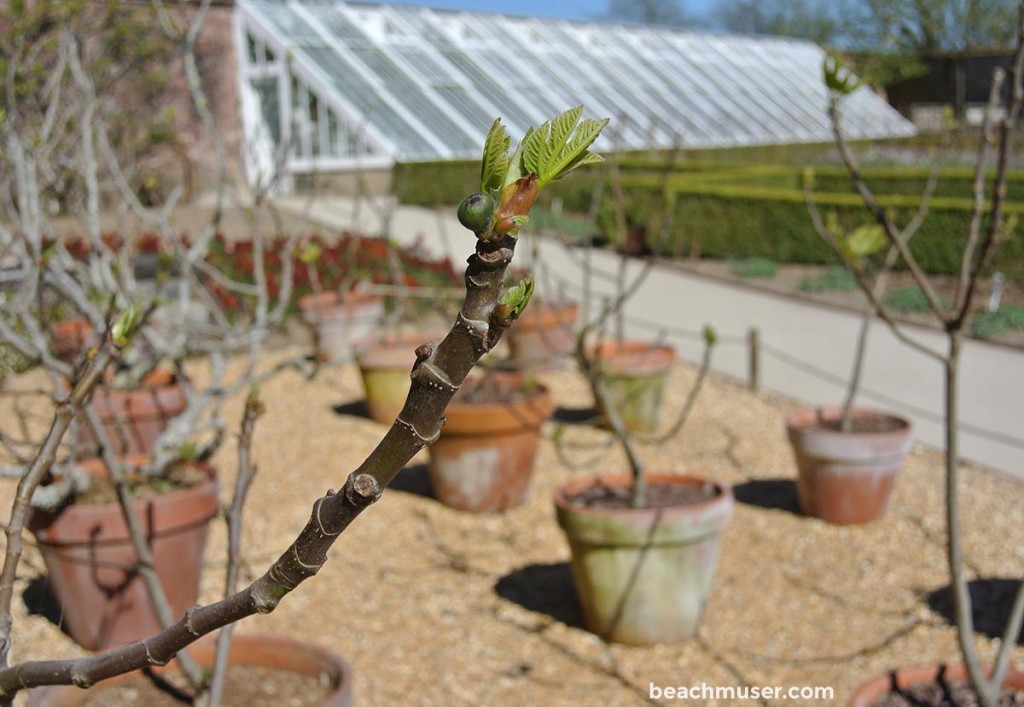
437	606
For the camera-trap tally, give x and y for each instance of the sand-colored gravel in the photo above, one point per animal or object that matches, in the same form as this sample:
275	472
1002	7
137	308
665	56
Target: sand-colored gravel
438	607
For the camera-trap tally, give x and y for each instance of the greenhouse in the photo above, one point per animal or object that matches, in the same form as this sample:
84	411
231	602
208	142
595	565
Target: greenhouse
332	86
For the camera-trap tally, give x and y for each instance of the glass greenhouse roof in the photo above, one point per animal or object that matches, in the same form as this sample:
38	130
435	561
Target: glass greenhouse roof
343	83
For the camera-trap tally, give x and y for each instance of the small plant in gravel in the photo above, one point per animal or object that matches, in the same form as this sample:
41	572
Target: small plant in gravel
1008	318
834	279
911	300
753	268
989	227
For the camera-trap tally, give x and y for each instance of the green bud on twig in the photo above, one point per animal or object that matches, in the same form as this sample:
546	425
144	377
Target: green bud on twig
514	300
710	335
125	325
475	212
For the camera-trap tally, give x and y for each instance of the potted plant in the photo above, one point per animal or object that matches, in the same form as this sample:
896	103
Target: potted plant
544	336
93	565
323	674
634	375
848	457
989	225
484	458
341	322
384	368
644	545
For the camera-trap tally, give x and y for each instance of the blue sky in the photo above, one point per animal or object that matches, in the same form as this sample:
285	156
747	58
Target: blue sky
566	9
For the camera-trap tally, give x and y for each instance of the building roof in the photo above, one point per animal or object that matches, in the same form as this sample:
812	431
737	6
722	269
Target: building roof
379	83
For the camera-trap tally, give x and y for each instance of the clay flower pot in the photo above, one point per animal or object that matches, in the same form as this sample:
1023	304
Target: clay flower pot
875	689
254	650
543	335
344	324
847	477
71	337
385	369
134	418
643	575
92	564
634	374
484	458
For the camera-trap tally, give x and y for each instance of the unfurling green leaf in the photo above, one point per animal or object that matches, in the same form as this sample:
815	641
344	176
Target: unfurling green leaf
710	336
495	161
863	241
125	325
517	297
838	78
556	147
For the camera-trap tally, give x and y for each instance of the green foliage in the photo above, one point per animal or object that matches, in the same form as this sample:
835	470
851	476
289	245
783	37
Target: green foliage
908	299
836	279
1004	320
863	241
753	268
514	299
837	77
494	165
555	148
729	210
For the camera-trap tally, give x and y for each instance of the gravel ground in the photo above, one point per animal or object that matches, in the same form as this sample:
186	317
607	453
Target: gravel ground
438	607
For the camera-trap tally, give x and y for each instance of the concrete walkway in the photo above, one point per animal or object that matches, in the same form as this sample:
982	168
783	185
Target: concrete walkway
806	350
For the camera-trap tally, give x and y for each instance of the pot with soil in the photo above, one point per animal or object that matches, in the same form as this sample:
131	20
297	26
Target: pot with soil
264	671
385	369
634	375
484	459
92	565
342	324
643	575
134	418
926	685
543	335
846	477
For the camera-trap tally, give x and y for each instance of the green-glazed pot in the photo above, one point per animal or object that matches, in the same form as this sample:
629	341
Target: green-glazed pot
643	575
634	375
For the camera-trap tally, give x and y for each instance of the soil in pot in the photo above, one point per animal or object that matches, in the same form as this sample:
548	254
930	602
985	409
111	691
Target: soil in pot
643	575
265	671
932	686
484	458
92	565
847	477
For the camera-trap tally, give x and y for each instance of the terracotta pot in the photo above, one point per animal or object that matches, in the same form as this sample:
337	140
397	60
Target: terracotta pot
846	477
92	564
344	325
385	369
71	337
543	336
260	650
875	689
484	458
634	374
134	418
643	575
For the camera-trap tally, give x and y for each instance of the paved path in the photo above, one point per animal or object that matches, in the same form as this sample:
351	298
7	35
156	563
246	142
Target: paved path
807	348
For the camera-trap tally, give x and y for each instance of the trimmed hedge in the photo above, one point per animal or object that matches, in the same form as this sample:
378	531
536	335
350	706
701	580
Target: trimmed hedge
737	211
